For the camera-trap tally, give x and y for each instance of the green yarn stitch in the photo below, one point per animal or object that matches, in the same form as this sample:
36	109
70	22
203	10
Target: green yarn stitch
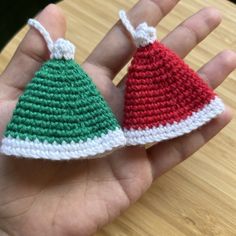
61	104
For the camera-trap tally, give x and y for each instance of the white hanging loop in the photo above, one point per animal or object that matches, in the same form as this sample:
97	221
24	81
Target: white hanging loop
59	49
142	35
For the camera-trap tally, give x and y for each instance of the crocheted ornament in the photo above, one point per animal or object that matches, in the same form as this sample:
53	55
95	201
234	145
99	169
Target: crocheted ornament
164	98
61	114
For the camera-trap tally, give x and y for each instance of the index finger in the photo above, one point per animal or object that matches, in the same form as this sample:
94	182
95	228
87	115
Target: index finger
32	51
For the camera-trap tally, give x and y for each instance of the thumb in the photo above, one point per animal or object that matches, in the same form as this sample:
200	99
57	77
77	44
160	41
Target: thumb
32	51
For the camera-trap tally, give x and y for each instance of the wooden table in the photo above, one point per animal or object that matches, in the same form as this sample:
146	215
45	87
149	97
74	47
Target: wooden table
198	197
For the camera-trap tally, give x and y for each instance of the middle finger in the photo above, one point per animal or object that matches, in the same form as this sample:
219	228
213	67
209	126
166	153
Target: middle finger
192	31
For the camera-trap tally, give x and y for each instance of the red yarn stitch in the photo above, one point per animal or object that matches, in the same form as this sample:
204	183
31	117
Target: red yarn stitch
161	89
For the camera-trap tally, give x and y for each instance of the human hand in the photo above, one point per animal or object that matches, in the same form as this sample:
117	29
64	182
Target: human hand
39	197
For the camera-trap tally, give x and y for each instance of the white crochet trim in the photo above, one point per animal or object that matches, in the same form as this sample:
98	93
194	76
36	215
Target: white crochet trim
142	35
157	134
64	151
60	49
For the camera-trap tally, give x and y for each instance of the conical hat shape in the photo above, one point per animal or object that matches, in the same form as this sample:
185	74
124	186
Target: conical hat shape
61	115
164	97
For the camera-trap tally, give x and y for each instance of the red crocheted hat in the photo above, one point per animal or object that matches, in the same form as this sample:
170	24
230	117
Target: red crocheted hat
164	98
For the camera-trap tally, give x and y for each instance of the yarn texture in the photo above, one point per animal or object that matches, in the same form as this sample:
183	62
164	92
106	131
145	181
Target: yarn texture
61	114
164	97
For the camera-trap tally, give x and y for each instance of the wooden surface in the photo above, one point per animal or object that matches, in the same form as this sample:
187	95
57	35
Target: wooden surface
198	197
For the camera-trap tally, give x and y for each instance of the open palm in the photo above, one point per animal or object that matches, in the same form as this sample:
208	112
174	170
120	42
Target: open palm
39	197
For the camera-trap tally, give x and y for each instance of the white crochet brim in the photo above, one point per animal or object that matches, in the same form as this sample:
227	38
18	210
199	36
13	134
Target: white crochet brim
169	131
83	150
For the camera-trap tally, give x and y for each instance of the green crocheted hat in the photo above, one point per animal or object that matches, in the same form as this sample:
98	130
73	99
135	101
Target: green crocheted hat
61	114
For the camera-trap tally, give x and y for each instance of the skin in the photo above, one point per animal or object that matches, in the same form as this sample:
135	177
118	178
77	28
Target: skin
78	197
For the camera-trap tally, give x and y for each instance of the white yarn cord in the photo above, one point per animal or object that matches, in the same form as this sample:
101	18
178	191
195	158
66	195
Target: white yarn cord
127	23
142	35
59	49
34	23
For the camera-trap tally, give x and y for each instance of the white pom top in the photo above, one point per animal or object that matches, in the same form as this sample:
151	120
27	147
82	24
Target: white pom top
142	35
59	49
63	49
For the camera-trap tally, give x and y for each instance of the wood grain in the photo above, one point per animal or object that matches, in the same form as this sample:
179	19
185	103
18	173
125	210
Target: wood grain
198	197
